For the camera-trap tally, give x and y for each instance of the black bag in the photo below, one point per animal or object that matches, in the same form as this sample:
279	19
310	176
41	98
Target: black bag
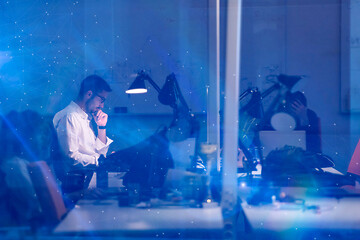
293	160
292	166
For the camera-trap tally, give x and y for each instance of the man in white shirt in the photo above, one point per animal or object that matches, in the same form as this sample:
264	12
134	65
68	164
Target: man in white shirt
80	142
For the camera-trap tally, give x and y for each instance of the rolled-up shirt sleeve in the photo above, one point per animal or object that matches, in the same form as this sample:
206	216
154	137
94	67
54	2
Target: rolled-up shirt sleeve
102	148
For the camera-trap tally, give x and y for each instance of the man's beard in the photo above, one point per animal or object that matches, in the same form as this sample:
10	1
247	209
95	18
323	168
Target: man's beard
88	107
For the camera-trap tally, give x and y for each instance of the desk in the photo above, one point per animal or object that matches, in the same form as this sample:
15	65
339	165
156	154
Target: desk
257	172
313	216
325	216
94	217
319	218
318	213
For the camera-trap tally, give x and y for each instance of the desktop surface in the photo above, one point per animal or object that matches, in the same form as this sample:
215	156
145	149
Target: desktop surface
105	217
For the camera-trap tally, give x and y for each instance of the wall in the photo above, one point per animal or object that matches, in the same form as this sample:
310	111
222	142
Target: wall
48	47
313	37
41	54
159	37
300	38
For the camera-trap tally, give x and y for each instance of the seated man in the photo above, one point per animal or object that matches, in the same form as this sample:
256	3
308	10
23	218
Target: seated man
80	140
81	133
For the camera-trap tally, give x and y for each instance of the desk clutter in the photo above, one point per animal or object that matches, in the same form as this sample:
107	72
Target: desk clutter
293	166
180	188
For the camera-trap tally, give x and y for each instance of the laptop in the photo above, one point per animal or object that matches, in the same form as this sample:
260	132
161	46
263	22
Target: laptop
272	140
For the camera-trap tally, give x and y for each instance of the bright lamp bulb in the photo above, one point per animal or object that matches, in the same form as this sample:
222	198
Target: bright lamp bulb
136	91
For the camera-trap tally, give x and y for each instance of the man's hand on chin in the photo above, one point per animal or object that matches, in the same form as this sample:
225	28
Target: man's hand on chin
100	118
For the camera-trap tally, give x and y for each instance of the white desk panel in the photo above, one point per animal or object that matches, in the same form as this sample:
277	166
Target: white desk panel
317	213
91	216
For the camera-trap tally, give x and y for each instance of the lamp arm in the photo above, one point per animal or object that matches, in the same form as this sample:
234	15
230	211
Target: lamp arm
157	88
181	97
247	92
274	87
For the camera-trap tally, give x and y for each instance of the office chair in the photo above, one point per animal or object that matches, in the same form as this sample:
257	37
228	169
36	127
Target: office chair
48	192
354	166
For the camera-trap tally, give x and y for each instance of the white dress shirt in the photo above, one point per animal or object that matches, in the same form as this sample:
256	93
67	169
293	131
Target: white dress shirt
76	137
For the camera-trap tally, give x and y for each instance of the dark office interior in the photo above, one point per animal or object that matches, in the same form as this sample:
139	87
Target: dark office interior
214	119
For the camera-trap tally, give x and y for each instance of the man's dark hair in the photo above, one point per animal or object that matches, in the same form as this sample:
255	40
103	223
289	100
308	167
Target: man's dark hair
94	83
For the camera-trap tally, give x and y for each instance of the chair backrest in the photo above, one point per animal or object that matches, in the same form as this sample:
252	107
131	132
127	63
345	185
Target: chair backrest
354	166
47	191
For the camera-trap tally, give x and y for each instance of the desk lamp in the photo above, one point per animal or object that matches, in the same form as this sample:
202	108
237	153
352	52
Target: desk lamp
183	124
169	94
138	86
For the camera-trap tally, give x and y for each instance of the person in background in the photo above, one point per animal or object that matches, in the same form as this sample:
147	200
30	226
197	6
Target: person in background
294	104
306	119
